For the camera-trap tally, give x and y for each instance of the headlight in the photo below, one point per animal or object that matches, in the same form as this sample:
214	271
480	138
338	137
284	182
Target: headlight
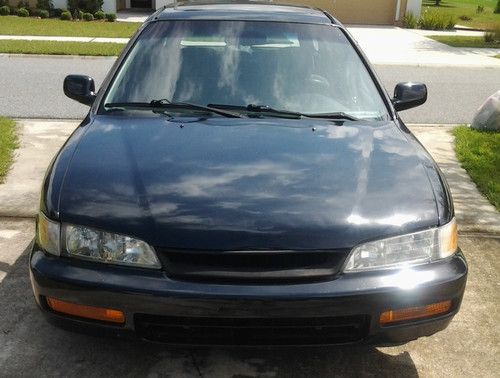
89	244
48	234
406	250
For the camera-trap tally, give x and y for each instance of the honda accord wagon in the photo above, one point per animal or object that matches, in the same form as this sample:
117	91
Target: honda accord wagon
243	178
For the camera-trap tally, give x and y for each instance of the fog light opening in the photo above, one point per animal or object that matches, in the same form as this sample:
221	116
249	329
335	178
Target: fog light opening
414	313
88	312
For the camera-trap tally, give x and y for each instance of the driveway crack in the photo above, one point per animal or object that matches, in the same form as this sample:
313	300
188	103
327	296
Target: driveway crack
195	363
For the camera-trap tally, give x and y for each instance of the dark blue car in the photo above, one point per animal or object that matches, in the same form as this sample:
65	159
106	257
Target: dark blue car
243	178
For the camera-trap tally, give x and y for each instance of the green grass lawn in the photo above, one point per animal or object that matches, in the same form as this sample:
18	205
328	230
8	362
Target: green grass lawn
8	143
13	25
479	154
60	48
457	8
462	41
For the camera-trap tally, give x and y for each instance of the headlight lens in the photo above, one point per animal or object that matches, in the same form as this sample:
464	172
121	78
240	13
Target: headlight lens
95	245
48	234
406	250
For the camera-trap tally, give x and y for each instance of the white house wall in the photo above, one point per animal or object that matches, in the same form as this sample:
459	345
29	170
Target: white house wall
414	6
109	6
157	4
62	4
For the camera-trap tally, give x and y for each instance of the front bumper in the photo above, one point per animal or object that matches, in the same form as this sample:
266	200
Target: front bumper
344	310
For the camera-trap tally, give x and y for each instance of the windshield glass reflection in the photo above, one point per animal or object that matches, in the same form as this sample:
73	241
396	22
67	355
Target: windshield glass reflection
298	67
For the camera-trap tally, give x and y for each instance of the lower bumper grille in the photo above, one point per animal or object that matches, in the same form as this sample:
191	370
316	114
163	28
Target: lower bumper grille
252	331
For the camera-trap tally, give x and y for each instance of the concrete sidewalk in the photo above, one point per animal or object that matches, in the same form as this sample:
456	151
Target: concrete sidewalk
62	39
473	211
462	33
132	16
397	46
40	141
382	44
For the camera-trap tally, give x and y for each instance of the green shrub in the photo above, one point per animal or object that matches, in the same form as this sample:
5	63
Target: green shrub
44	4
55	12
492	35
23	12
66	15
77	14
111	17
497	9
450	25
72	5
90	6
4	10
432	20
93	6
44	13
427	20
88	17
410	21
99	15
23	4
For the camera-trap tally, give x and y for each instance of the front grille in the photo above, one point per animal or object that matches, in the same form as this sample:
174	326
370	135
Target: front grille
252	331
251	266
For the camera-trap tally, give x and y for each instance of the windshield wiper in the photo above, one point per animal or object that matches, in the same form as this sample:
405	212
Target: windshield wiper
258	109
286	113
168	105
336	115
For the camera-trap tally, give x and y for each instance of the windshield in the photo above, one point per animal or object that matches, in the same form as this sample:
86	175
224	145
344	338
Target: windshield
311	69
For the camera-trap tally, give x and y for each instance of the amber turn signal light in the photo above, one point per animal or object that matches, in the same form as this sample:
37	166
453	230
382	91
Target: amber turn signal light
412	313
89	312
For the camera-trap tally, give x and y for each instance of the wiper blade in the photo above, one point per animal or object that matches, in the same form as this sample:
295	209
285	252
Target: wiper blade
167	105
258	109
269	110
336	115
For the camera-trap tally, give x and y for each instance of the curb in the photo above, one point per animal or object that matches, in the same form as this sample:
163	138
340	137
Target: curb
439	65
443	125
45	56
466	28
41	119
16	218
479	234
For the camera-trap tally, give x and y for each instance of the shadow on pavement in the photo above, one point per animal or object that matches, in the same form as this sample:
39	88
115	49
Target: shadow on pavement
30	346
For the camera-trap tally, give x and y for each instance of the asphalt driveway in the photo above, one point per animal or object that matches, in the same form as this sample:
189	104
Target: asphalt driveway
454	94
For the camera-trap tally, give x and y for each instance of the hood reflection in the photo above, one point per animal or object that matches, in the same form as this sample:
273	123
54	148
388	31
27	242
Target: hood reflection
249	177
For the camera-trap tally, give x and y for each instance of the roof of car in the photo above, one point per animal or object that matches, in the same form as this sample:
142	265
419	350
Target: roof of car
242	11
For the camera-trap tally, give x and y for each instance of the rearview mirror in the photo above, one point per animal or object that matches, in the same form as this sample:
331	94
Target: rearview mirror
409	95
80	88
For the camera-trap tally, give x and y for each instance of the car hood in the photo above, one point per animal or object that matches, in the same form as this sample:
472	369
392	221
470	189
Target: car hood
222	183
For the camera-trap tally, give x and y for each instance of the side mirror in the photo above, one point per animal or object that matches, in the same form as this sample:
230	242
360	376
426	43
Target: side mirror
409	95
80	88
